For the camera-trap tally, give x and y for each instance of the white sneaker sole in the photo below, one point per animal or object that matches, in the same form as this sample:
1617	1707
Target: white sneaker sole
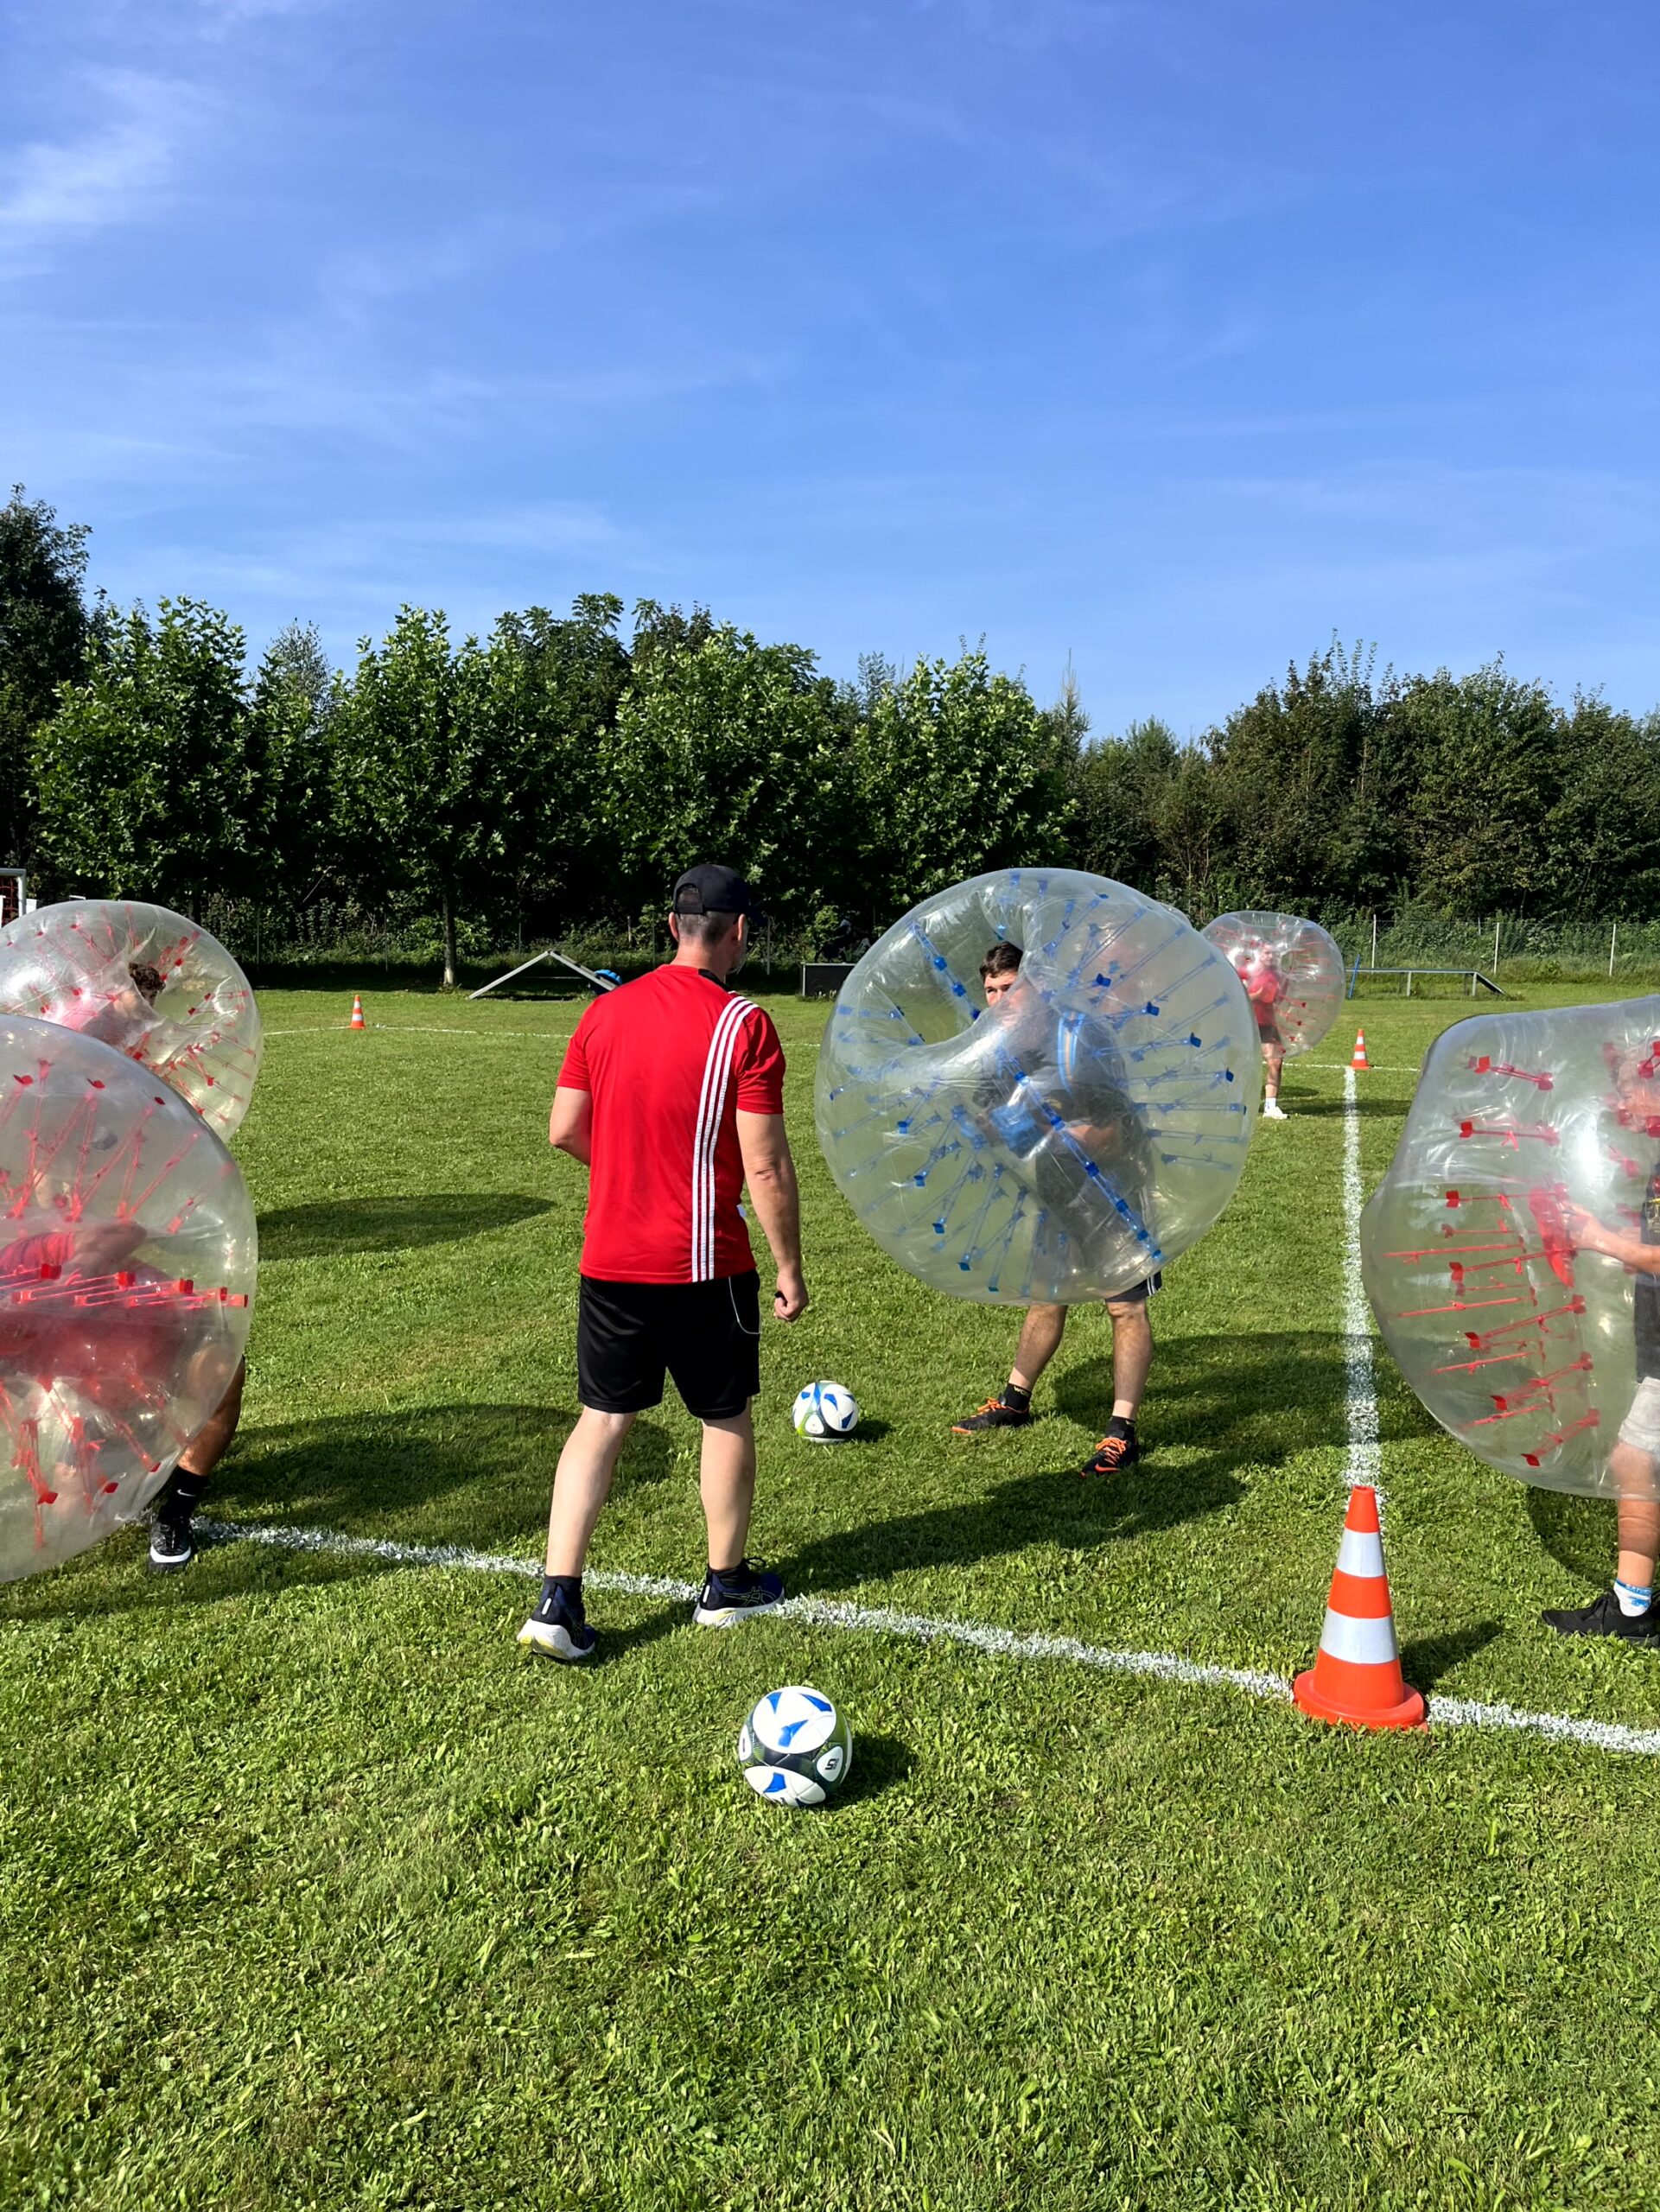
548	1636
730	1616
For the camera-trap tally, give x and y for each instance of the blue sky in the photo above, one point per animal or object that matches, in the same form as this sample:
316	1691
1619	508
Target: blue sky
1172	336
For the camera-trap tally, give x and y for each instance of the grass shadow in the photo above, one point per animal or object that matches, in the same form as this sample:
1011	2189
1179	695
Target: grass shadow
1258	1398
1577	1532
1054	1508
1427	1658
1309	1106
371	1474
390	1224
878	1762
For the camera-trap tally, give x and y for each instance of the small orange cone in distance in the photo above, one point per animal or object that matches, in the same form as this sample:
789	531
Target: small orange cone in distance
358	1021
1360	1059
1356	1675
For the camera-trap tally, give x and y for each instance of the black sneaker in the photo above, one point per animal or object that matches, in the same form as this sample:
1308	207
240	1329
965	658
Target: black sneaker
559	1628
172	1542
725	1599
995	1413
1112	1454
1603	1617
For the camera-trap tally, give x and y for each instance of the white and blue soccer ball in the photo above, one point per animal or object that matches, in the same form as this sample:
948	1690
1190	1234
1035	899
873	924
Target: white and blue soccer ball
795	1748
825	1412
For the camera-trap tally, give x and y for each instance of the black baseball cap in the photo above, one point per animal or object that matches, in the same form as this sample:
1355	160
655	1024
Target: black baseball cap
713	889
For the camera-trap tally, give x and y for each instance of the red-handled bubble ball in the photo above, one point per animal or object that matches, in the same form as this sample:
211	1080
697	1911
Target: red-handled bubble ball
127	1256
156	987
1513	1252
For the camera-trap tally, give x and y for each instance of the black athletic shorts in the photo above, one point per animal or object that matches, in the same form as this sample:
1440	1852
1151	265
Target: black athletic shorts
707	1335
1139	1293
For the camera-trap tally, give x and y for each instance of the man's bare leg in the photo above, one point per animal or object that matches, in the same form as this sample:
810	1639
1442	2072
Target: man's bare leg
1132	1356
1040	1335
212	1440
1273	1063
1627	1612
1041	1331
726	1482
1638	1517
582	1483
172	1540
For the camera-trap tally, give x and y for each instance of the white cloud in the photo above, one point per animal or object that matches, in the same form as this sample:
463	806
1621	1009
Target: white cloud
105	174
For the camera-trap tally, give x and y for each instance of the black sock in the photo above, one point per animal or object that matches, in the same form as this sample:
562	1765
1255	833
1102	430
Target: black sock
1122	1425
569	1586
1017	1401
184	1493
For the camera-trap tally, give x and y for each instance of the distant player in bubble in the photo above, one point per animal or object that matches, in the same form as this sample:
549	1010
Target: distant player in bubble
1049	1048
1628	1611
1293	976
1265	988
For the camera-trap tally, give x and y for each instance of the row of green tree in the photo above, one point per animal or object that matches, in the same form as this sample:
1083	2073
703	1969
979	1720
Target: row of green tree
558	772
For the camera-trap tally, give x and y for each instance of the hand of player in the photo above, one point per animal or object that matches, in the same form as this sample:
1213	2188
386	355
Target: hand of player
1587	1234
789	1302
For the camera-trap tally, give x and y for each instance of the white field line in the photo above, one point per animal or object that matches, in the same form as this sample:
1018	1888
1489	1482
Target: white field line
923	1628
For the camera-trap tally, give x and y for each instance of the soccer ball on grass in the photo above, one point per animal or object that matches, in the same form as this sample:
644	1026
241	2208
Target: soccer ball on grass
824	1413
795	1748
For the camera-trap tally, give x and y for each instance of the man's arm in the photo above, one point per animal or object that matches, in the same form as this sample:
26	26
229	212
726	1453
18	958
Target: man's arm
570	1125
770	1173
1590	1234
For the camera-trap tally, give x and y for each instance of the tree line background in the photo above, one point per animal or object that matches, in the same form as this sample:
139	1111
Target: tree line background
455	797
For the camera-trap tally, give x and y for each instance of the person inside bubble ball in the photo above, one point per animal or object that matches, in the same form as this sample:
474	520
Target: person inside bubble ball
1264	987
44	1261
1627	1611
173	1535
1048	1047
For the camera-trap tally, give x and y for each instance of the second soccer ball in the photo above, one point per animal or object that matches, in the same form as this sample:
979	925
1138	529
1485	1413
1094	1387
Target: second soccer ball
824	1413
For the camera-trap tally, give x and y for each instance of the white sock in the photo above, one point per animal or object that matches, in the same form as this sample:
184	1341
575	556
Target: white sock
1632	1602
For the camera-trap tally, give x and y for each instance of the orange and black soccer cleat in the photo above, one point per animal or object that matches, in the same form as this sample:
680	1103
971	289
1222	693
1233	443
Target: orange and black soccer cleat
1117	1451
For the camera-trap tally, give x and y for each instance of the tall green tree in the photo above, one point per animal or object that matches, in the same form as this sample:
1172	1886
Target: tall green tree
1289	769
145	784
727	749
958	772
1122	790
557	684
1487	760
291	755
43	634
426	787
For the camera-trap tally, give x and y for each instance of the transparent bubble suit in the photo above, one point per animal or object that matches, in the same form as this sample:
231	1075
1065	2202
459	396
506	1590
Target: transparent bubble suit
1292	972
1524	1347
1064	1143
74	964
127	1253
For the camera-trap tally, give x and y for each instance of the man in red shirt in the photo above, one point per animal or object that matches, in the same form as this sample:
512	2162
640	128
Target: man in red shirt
671	1095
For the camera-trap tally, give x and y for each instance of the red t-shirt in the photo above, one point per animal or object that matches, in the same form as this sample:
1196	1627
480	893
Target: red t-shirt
1262	987
668	1061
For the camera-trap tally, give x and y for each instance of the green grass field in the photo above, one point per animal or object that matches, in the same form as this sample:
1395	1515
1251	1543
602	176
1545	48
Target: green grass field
314	1891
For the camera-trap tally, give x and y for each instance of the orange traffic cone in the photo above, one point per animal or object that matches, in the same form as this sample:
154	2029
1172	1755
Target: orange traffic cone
1360	1059
358	1021
1356	1675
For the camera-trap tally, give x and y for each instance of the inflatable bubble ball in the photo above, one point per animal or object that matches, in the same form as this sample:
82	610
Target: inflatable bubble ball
155	986
1059	1130
127	1257
1293	973
1503	1250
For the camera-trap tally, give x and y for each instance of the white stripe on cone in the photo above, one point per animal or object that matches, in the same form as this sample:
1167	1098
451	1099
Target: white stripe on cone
1361	1642
1361	1553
